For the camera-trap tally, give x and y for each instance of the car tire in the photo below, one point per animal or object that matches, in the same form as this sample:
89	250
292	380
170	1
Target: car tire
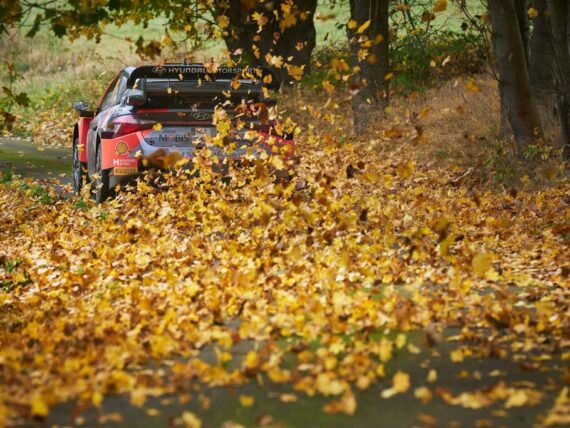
80	176
101	182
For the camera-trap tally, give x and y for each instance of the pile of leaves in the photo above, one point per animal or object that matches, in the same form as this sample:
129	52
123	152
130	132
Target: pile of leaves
313	276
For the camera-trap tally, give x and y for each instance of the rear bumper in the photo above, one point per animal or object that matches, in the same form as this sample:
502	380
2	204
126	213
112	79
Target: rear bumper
128	156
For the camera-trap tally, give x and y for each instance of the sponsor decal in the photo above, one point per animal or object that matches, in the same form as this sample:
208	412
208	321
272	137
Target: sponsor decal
160	70
125	162
122	148
125	170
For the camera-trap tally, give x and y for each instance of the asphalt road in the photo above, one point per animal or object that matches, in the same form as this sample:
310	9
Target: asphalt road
27	159
471	376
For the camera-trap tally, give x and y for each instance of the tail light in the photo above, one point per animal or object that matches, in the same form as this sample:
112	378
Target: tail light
127	124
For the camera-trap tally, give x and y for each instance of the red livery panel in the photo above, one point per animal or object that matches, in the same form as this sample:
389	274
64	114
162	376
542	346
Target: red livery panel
82	128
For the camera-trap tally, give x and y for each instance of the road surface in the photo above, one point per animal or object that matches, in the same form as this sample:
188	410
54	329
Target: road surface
27	159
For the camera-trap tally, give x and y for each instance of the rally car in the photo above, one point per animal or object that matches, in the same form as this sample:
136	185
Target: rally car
151	112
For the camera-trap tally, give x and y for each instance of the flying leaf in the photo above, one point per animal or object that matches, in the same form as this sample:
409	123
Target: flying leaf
364	27
482	263
400	384
440	6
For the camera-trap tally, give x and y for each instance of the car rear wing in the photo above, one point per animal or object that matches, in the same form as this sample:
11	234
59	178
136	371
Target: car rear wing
206	89
202	73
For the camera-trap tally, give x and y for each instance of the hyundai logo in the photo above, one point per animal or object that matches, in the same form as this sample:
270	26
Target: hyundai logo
201	115
160	70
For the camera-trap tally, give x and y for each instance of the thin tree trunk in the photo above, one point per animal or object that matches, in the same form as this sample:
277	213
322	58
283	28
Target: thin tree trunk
504	123
559	11
524	25
541	64
370	59
380	67
513	74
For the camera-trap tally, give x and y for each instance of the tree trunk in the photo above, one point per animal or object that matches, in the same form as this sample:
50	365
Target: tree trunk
559	11
370	59
504	123
521	7
513	74
541	64
297	42
250	41
524	25
244	34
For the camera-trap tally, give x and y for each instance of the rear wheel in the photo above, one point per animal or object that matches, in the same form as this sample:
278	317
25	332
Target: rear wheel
79	174
101	179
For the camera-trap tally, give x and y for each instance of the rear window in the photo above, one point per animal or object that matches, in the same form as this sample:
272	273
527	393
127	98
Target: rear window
191	94
181	101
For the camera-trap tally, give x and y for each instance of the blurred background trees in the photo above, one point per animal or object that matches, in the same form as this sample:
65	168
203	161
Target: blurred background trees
406	44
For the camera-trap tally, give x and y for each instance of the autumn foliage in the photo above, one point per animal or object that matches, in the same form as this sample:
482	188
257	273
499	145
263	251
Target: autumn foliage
358	246
408	230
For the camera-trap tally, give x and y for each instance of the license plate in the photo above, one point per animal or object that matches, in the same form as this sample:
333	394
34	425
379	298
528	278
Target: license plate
176	135
125	170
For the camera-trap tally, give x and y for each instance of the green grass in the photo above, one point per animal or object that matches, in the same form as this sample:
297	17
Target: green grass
40	193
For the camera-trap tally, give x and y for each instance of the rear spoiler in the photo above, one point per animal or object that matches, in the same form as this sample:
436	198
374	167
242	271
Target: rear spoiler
197	72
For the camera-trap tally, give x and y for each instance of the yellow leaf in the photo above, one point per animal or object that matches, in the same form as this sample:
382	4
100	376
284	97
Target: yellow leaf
328	87
456	355
363	27
268	79
39	406
401	381
275	61
327	384
518	399
190	420
96	398
138	397
423	394
287	20
288	398
295	71
277	163
246	400
251	360
400	341
481	263
346	405
405	170
380	372
400	384
532	12
471	86
440	6
223	21
166	40
351	24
